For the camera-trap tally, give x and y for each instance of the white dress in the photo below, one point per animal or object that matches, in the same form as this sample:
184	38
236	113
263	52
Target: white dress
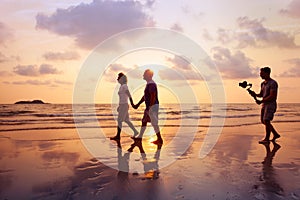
123	114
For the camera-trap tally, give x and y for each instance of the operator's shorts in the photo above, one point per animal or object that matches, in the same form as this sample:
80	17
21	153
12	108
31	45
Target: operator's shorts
151	115
123	112
267	111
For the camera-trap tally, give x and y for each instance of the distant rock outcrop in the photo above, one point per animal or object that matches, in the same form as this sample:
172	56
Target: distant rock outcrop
30	102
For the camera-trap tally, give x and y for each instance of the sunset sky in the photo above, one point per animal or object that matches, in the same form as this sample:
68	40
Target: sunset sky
43	45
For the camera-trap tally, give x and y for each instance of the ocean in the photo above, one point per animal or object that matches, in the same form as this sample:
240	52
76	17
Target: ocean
56	151
16	117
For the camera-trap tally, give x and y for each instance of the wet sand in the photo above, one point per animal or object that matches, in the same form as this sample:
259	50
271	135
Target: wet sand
54	164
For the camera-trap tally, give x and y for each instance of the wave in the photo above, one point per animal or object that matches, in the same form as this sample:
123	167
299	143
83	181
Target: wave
165	125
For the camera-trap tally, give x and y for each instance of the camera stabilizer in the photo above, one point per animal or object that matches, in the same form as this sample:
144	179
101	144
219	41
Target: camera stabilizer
244	84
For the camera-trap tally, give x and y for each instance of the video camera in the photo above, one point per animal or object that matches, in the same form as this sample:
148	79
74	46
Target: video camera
244	84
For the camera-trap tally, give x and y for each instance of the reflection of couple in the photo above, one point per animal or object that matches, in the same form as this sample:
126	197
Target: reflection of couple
150	98
151	168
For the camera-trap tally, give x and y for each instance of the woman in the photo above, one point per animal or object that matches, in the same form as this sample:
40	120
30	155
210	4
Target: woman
123	115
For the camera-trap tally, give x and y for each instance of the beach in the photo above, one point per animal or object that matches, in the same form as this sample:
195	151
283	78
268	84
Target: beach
42	156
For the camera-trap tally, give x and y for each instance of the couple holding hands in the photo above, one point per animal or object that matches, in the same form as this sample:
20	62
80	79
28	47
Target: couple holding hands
151	111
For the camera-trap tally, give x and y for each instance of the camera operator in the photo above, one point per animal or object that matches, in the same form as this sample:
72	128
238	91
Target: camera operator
268	92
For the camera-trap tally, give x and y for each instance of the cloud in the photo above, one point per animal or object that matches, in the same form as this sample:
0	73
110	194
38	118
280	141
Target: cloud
54	56
254	33
232	65
173	74
293	9
180	69
5	33
113	70
3	58
117	68
5	74
31	82
224	36
206	35
294	71
40	82
28	70
33	70
63	82
264	36
177	27
179	63
48	69
89	24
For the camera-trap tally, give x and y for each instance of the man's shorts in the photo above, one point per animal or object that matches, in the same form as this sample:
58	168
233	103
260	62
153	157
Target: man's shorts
267	111
151	115
123	112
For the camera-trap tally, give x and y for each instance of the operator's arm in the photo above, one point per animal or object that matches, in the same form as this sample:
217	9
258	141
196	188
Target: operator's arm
260	94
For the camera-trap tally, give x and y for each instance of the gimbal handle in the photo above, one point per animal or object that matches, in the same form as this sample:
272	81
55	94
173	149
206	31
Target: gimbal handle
250	91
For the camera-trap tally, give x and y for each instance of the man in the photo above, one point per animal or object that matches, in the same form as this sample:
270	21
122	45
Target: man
152	106
268	92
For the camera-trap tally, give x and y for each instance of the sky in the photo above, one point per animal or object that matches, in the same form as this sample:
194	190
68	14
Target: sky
44	45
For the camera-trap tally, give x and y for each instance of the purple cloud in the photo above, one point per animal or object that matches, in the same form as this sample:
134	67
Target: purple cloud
3	58
36	82
293	9
31	82
33	70
206	35
254	33
262	35
232	66
26	70
92	23
177	27
112	71
5	33
179	63
48	69
5	74
180	69
294	71
70	55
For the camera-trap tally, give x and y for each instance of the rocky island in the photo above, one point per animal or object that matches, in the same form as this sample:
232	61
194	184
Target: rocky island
30	102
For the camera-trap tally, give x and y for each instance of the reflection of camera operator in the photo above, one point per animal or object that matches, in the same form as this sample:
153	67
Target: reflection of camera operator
268	92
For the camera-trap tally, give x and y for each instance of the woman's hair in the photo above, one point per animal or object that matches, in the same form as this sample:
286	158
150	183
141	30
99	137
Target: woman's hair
122	78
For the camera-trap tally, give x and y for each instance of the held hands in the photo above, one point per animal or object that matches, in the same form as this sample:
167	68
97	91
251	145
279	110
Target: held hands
135	106
132	104
138	104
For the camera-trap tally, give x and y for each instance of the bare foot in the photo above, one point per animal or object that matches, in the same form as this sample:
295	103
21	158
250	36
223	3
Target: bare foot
158	141
115	138
264	141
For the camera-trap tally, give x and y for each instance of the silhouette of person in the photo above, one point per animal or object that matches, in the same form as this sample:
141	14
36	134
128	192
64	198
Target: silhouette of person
270	182
152	106
268	92
123	115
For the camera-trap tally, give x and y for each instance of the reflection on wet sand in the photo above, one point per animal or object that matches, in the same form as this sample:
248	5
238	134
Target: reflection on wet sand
150	165
269	177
